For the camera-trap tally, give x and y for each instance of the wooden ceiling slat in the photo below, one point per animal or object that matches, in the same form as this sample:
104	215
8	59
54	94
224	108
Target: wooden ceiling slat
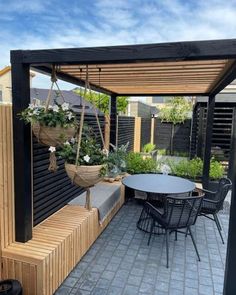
149	64
151	69
152	77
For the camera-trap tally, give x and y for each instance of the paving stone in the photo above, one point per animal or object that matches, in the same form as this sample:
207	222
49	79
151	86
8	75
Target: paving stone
63	291
121	263
130	290
134	280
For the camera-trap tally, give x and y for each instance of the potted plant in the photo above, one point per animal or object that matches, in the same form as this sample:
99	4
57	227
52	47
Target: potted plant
87	168
116	163
149	150
52	125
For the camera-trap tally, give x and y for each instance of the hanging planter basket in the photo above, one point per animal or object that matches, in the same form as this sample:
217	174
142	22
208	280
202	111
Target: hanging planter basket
52	136
84	176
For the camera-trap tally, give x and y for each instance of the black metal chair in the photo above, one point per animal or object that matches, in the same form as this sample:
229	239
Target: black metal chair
213	202
178	213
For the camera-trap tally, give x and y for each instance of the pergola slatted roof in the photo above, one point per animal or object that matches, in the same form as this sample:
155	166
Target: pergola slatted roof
165	77
178	68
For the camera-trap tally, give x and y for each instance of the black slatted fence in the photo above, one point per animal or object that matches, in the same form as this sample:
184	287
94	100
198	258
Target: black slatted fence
181	141
51	191
222	130
126	131
145	131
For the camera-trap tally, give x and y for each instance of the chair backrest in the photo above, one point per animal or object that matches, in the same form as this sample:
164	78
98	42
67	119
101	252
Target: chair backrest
182	212
224	186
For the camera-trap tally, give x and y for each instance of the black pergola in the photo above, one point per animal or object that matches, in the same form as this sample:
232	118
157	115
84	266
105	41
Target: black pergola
182	68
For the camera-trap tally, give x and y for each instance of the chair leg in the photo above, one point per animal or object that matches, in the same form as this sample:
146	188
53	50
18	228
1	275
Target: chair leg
167	248
151	231
176	235
218	227
194	244
217	218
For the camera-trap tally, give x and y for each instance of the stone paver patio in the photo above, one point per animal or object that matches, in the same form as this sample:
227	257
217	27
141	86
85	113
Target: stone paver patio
121	263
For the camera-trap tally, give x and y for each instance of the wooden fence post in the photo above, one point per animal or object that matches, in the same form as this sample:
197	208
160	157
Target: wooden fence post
107	132
152	130
7	229
137	134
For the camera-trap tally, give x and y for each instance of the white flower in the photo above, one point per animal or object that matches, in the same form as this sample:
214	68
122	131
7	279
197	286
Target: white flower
70	116
50	107
165	169
31	106
65	106
35	112
86	158
52	149
72	140
66	143
55	108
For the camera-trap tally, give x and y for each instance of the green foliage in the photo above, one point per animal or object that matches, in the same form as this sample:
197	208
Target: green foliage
149	147
176	110
57	115
162	152
116	160
102	101
216	169
90	151
193	168
136	164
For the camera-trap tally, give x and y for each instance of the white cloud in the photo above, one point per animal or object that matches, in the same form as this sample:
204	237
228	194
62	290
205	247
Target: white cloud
105	22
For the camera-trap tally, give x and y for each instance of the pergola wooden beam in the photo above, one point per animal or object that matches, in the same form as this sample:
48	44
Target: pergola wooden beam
191	50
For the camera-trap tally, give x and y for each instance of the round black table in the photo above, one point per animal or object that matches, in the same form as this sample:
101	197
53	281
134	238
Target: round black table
160	185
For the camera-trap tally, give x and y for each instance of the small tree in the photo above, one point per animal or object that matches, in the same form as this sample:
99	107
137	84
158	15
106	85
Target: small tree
175	111
102	101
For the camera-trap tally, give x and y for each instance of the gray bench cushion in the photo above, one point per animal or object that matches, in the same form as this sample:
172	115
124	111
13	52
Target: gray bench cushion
104	196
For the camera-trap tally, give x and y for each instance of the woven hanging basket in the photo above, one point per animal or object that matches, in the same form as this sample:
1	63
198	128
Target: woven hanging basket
52	136
84	176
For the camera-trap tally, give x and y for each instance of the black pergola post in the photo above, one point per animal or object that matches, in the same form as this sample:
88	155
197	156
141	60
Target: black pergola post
22	149
208	140
113	121
230	266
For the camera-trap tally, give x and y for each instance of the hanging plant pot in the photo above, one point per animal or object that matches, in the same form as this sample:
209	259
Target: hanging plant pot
52	136
84	176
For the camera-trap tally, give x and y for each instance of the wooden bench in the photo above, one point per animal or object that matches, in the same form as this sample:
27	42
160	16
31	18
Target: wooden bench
57	245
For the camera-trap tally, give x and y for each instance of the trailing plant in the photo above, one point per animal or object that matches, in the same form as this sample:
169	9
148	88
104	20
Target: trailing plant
149	147
90	150
136	164
56	115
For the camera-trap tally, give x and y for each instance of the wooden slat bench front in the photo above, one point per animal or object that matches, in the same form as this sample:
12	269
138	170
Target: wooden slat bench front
57	246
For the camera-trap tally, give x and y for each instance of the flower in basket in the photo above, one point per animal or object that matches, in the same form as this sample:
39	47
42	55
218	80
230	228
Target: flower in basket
90	167
52	125
57	115
90	152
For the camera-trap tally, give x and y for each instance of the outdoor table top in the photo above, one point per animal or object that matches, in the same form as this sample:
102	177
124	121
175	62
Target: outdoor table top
159	184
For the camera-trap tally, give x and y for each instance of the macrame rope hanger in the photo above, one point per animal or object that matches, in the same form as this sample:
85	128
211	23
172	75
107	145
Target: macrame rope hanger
79	136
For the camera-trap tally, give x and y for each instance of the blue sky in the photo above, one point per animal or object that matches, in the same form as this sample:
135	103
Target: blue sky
34	24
